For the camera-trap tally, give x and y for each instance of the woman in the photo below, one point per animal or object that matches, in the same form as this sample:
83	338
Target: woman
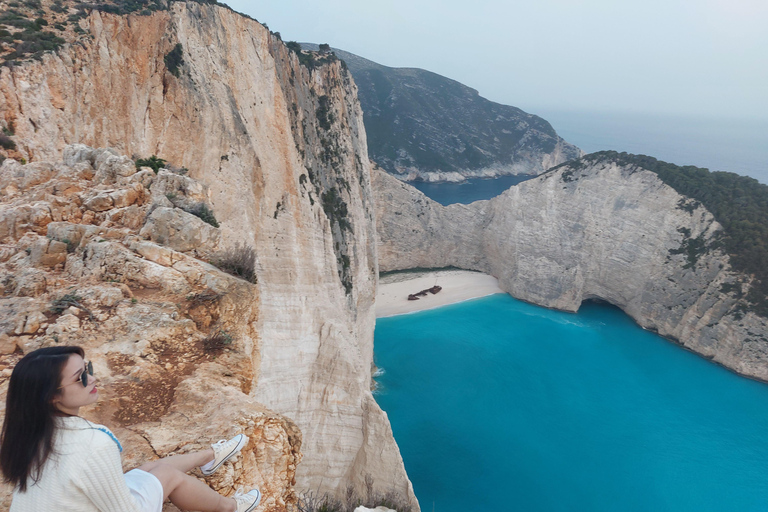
59	461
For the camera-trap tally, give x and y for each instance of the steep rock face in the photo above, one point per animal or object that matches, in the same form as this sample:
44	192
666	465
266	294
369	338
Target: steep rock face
600	231
424	126
282	150
146	315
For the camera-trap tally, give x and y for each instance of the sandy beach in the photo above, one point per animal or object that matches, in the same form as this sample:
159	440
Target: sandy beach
458	286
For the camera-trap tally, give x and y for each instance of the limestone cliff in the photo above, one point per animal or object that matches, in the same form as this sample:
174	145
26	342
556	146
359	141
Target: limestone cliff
282	149
589	230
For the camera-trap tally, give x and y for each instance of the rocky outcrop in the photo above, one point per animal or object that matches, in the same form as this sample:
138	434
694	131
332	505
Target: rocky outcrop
282	150
423	126
147	315
588	231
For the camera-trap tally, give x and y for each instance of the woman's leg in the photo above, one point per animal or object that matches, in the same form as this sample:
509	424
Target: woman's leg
188	461
186	492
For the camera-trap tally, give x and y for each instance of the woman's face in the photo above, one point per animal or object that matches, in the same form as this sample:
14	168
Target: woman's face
72	394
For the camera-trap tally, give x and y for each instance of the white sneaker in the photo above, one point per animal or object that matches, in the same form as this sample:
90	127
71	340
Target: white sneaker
222	452
247	502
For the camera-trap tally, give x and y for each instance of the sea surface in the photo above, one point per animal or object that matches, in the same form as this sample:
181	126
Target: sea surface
468	191
497	404
718	144
733	145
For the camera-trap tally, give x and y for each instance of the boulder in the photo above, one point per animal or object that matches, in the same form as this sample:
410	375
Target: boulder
182	191
113	261
145	176
101	296
31	282
132	217
181	231
13	313
69	233
110	168
75	154
128	196
100	202
17	220
7	344
67	323
47	252
35	319
101	155
154	252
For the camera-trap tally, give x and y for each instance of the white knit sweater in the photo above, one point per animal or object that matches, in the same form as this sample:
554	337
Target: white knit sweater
83	474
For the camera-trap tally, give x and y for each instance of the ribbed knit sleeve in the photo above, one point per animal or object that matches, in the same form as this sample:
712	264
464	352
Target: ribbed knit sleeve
102	480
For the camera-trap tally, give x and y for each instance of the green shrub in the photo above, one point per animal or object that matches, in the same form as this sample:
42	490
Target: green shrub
152	162
174	59
293	46
324	115
336	209
204	213
6	142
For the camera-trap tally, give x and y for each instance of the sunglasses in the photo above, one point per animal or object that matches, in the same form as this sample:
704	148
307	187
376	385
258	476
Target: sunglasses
87	370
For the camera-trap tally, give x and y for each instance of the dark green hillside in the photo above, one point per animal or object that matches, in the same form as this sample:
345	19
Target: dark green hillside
739	203
418	119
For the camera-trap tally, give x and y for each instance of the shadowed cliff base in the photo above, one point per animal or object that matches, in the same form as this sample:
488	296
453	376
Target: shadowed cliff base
600	227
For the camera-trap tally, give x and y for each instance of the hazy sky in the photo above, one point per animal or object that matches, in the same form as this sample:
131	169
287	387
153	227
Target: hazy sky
694	57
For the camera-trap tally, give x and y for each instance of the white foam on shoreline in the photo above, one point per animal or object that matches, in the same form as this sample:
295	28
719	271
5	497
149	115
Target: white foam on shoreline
458	286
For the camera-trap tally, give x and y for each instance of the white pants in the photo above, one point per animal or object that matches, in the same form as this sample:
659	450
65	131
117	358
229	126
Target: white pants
146	489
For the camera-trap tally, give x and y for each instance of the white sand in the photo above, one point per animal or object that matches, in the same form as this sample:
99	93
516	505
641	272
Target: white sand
458	286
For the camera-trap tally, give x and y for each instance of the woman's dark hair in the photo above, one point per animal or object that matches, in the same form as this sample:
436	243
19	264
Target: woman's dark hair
28	428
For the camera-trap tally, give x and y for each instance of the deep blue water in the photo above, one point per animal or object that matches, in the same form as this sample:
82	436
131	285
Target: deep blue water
501	405
468	191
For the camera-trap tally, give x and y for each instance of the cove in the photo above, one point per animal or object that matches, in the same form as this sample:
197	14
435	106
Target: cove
497	404
473	189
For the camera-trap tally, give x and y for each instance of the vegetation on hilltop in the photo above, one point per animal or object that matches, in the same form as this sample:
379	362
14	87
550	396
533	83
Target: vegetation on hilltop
30	28
739	204
312	59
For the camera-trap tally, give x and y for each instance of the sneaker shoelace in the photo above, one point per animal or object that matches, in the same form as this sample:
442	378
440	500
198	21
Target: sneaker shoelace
217	447
240	495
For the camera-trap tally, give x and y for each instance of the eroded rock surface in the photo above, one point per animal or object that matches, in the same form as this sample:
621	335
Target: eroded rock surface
148	317
598	231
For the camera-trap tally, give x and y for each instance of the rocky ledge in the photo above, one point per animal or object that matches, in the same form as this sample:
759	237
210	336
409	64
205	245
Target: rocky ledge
98	253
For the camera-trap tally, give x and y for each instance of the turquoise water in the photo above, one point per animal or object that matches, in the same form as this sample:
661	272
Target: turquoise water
501	405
